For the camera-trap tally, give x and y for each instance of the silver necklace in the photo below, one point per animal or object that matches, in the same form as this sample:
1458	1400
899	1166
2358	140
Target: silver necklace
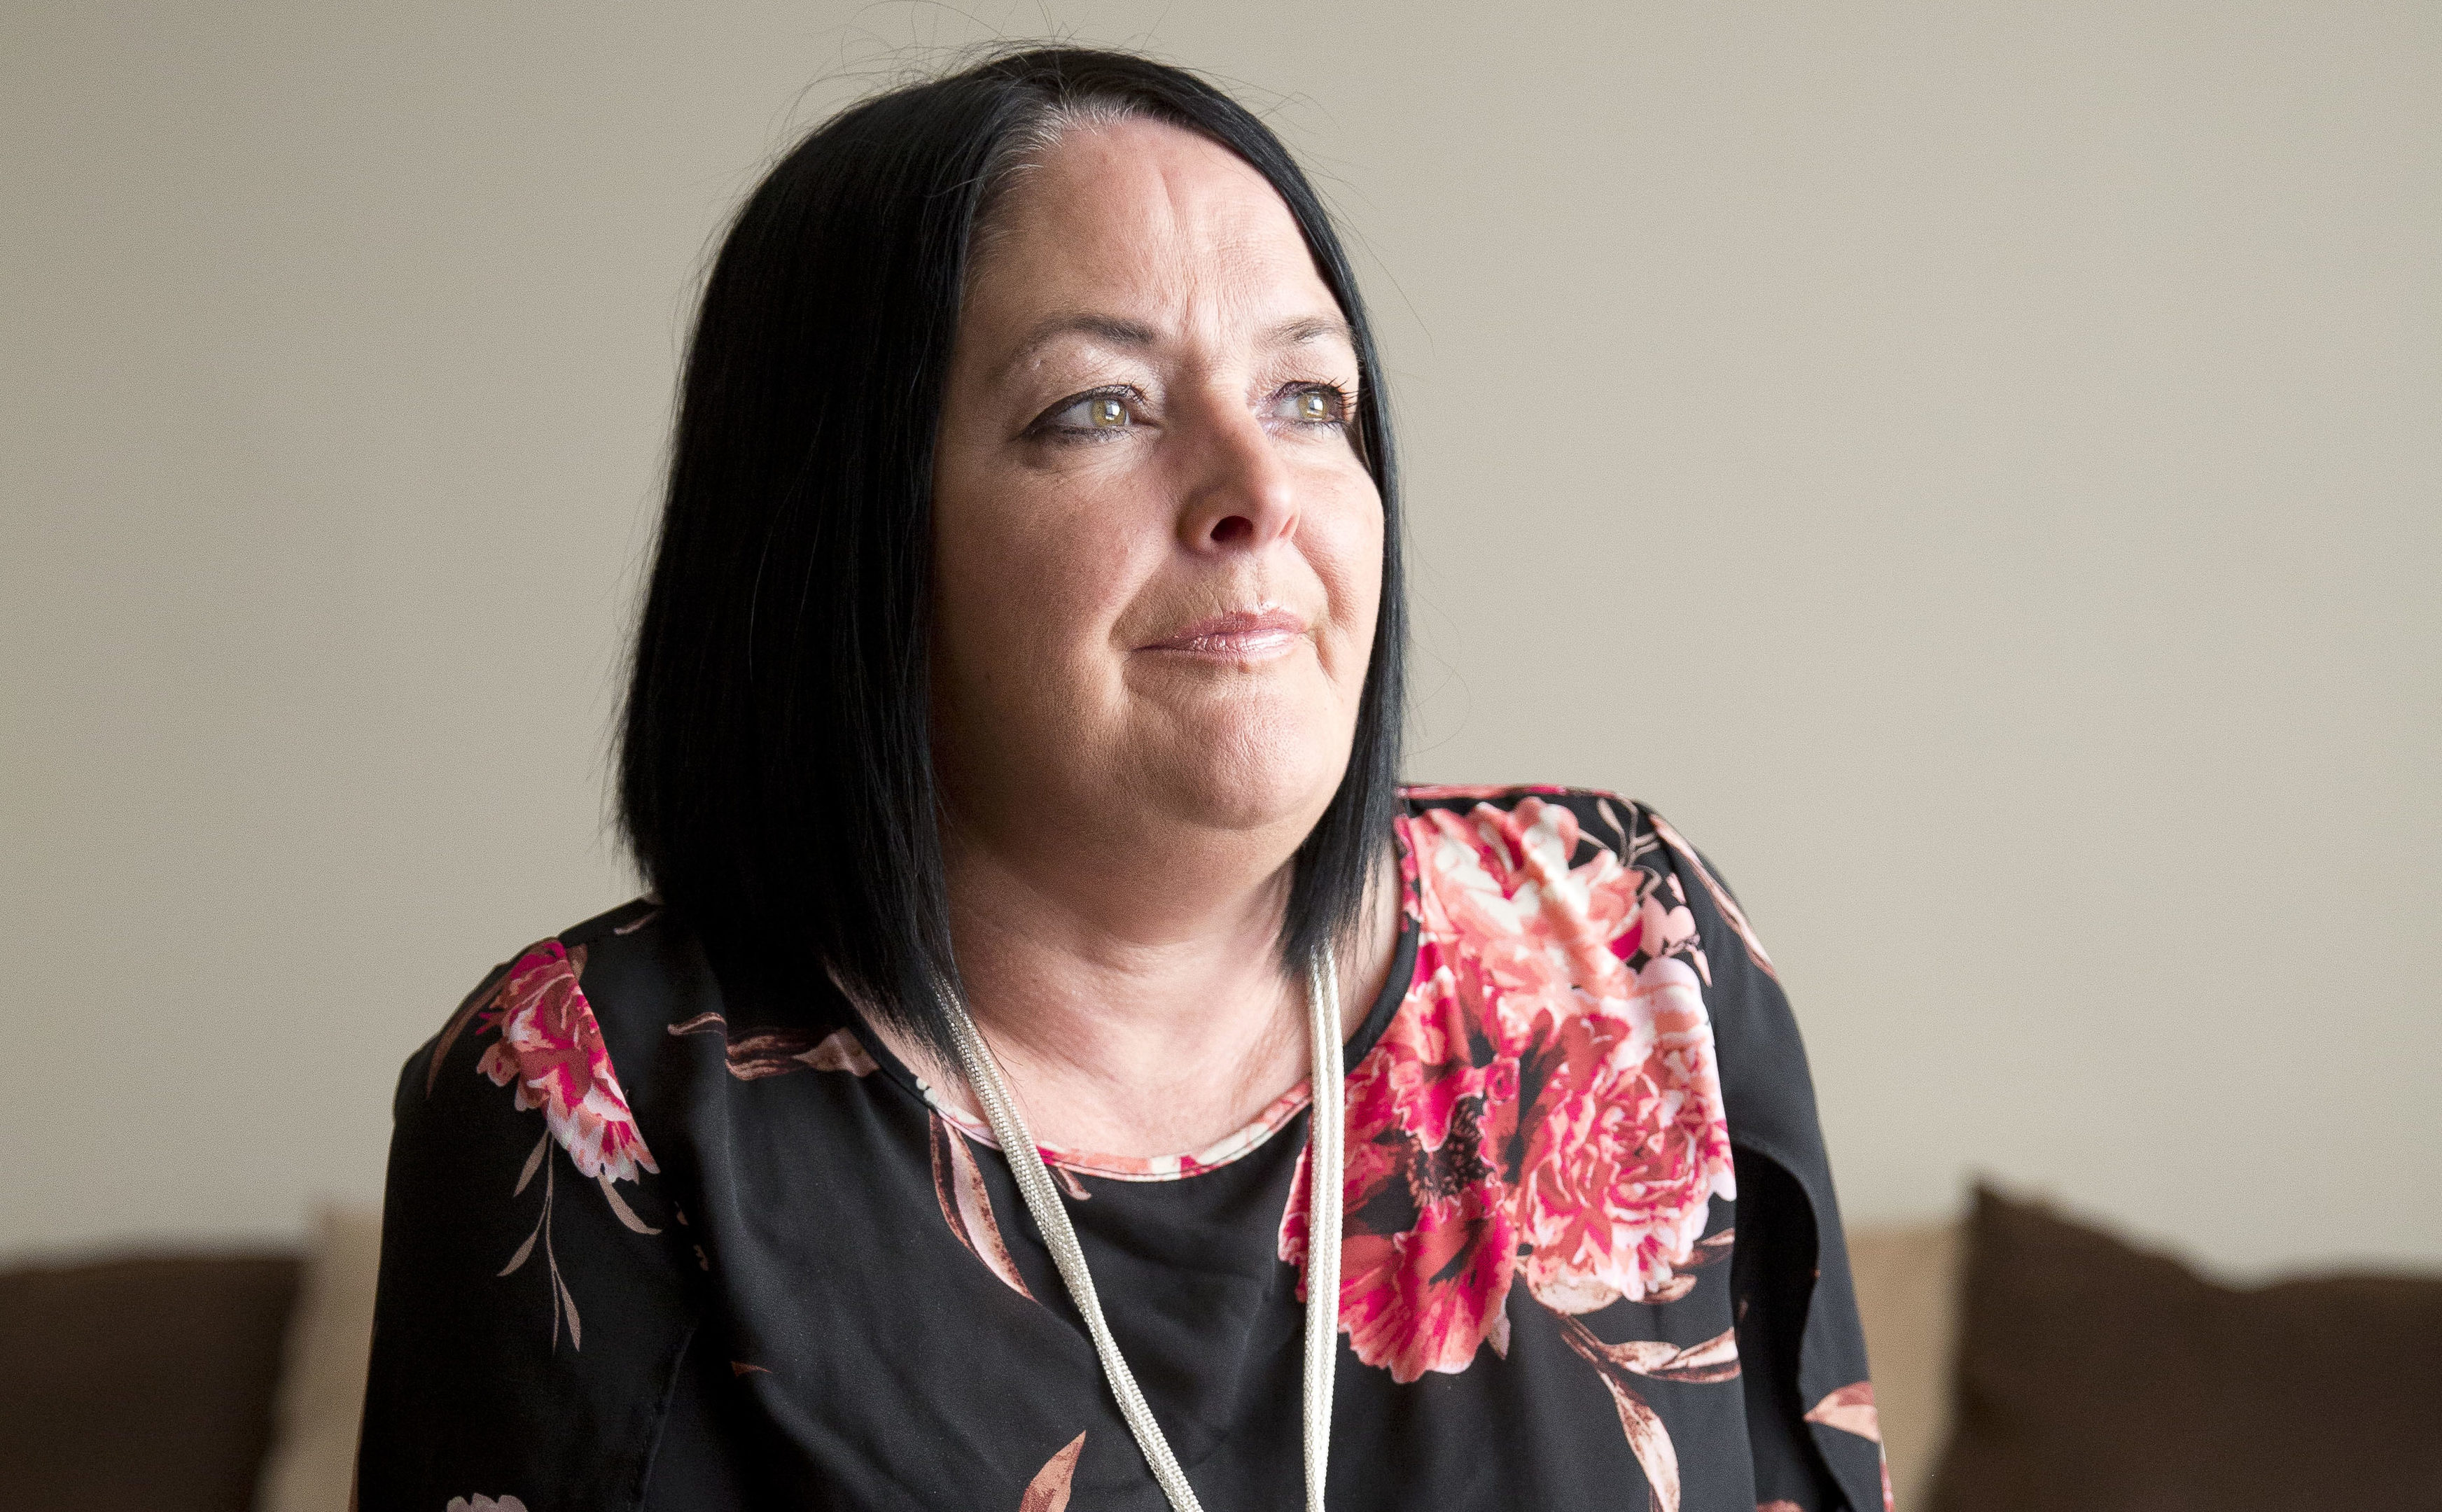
1325	1160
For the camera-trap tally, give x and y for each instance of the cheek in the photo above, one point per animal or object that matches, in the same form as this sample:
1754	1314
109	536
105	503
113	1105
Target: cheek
1029	571
1345	550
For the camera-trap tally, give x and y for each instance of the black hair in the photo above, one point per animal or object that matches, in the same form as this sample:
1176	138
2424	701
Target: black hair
776	772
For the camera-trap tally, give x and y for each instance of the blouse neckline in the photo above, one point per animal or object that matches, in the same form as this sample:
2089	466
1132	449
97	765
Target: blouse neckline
1244	1140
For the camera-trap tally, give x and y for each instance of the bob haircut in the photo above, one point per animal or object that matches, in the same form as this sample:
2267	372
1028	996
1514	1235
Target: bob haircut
776	772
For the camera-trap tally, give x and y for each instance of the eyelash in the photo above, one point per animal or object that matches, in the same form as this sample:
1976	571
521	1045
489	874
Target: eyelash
1044	430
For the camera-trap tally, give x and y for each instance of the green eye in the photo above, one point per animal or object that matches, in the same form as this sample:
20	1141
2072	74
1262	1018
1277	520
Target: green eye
1096	415
1311	407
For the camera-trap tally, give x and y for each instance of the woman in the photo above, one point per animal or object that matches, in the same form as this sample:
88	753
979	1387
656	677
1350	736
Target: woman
1011	747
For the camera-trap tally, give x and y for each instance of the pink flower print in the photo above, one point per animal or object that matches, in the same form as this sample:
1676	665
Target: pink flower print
1627	1145
1423	1300
551	1048
1427	1251
1499	885
1546	1098
1662	927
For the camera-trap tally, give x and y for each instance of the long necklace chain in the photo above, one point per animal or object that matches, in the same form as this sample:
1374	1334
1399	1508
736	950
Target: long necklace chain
1325	1160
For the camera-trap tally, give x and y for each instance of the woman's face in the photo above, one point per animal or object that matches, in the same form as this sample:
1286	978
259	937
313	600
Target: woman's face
1158	554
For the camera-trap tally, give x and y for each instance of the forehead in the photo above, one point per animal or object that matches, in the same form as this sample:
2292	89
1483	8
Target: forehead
1143	219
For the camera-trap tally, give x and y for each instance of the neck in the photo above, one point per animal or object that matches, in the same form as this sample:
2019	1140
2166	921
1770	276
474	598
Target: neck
1140	1011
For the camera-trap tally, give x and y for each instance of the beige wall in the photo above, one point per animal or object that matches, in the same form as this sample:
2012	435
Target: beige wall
1974	466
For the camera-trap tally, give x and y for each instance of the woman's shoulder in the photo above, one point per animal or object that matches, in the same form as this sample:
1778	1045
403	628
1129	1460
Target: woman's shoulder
1599	811
535	1262
1597	836
1582	819
563	1026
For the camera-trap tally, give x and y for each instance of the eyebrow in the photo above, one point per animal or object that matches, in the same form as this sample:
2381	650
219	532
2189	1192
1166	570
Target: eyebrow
1312	328
1135	334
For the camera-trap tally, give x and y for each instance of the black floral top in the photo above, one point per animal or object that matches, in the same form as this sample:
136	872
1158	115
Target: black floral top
652	1242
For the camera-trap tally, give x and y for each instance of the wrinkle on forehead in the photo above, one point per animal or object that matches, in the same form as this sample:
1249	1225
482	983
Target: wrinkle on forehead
1126	334
1155	209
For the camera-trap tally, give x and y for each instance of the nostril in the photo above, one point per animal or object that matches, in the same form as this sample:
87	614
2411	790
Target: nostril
1231	529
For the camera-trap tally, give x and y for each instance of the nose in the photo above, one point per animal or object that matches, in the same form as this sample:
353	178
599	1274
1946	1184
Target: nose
1241	495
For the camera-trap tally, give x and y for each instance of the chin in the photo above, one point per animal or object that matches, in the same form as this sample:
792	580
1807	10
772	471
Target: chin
1256	775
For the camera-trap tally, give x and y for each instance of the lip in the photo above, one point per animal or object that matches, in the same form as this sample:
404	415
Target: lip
1235	635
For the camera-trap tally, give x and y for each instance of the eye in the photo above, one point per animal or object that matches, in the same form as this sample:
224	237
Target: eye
1314	404
1104	412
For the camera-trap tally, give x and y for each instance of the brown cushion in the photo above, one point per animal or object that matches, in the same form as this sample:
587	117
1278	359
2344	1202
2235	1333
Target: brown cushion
2096	1377
140	1383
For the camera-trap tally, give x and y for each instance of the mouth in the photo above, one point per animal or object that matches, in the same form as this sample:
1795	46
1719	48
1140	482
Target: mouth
1235	635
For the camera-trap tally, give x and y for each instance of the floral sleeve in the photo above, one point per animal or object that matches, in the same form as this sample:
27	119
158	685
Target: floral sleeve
534	1303
1807	1381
